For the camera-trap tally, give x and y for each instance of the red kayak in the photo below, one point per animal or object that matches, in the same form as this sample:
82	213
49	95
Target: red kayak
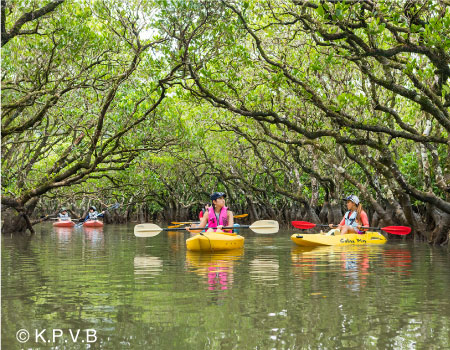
64	224
93	223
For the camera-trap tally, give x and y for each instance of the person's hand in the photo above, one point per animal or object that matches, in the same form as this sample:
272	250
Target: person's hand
219	227
358	227
192	227
331	225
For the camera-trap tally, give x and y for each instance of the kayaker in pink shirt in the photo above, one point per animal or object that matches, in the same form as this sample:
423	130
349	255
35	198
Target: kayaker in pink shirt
354	218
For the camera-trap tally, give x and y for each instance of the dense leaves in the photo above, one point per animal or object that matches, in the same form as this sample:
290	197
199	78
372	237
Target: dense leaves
285	105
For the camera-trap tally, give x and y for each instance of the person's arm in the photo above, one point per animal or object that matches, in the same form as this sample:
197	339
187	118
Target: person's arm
342	223
202	224
230	218
364	219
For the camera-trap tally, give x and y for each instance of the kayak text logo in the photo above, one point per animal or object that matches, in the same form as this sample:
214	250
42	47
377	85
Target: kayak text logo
48	336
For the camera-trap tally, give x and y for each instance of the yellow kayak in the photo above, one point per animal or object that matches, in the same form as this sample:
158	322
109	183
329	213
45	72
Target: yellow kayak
214	241
313	240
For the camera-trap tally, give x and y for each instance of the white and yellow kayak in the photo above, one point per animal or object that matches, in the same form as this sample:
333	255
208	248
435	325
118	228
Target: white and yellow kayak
313	240
214	241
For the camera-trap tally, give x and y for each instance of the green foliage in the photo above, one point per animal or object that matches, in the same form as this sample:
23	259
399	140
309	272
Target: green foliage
261	100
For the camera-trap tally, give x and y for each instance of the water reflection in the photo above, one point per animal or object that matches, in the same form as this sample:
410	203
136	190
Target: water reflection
264	268
176	239
216	268
303	262
94	236
147	266
398	260
64	234
266	241
353	262
139	294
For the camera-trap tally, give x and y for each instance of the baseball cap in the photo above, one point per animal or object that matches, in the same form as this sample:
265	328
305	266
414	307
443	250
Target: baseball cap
216	195
352	198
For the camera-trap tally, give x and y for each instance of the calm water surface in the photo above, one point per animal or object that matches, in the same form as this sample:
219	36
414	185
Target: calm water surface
127	293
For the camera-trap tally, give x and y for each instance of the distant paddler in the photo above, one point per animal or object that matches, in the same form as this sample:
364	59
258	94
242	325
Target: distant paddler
93	214
63	215
217	215
63	219
354	219
205	209
91	219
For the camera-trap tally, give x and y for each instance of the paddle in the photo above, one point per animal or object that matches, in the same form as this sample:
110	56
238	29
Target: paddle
394	230
239	216
261	226
176	226
179	223
114	206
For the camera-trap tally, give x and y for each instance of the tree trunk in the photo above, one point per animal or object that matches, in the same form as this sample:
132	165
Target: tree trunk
323	215
441	231
252	211
13	222
18	220
335	214
310	215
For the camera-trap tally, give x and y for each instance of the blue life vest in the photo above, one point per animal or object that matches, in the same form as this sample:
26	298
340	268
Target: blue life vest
350	219
93	216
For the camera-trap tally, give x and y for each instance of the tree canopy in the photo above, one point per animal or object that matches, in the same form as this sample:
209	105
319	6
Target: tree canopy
285	105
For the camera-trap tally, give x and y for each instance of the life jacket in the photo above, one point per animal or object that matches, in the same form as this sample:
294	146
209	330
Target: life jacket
93	216
64	217
212	219
350	219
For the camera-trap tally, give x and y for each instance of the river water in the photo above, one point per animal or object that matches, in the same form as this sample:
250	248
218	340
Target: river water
106	289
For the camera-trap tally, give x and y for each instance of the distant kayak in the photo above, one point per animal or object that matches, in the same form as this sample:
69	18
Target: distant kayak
93	223
67	223
214	241
313	240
